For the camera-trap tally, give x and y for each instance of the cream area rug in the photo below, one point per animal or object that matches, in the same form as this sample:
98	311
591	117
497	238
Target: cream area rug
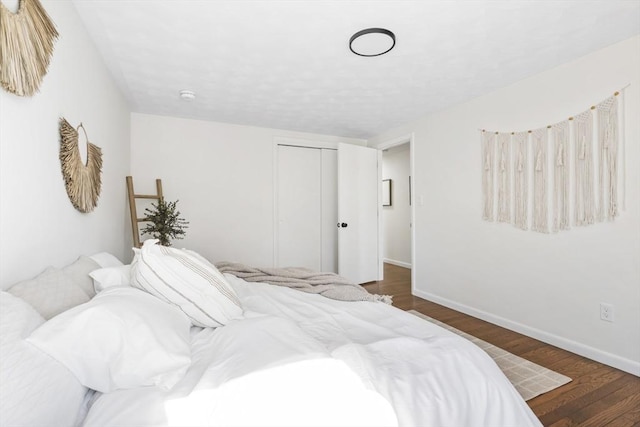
528	378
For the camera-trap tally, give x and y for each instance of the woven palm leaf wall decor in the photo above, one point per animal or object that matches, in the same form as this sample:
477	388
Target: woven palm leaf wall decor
26	45
82	181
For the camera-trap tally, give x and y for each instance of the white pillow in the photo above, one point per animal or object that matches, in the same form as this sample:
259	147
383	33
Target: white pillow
105	259
35	390
123	338
79	271
111	276
186	280
51	292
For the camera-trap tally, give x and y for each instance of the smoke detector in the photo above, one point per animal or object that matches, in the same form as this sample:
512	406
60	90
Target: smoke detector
187	95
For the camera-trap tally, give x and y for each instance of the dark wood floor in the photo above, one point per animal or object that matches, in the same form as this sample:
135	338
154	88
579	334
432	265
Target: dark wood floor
599	395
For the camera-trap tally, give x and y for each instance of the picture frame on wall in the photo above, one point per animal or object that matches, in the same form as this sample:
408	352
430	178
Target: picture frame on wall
386	192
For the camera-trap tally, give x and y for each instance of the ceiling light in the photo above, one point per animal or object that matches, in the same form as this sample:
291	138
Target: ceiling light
372	42
187	95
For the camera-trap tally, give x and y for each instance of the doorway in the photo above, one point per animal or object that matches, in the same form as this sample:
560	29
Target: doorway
397	216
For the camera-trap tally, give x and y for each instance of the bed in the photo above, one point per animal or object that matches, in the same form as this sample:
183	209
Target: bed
199	347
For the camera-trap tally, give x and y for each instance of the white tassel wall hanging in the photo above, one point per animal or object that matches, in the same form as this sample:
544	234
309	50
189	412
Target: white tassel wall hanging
622	148
488	150
560	176
539	141
503	158
584	210
608	158
520	180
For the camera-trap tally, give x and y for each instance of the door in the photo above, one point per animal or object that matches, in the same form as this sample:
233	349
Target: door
329	210
358	185
307	197
299	199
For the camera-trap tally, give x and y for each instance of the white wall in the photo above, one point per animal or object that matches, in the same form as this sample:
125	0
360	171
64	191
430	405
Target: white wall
223	176
546	285
38	224
396	219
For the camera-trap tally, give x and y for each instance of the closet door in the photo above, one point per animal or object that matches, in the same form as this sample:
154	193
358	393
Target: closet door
329	210
299	198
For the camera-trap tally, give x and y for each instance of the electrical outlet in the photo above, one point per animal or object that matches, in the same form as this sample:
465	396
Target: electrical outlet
606	312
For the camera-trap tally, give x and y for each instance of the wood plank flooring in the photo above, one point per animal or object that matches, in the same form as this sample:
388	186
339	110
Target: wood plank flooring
599	395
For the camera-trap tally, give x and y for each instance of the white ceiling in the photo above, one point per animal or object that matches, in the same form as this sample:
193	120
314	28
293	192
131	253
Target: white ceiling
287	64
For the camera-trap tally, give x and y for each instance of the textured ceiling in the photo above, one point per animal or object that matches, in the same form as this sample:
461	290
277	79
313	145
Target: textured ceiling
287	64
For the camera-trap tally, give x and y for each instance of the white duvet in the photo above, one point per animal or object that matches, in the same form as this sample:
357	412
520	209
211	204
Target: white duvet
301	359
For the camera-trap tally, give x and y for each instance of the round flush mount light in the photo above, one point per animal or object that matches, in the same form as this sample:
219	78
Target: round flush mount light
187	95
372	42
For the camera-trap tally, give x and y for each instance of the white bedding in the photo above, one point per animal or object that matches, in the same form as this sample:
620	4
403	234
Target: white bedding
286	364
258	371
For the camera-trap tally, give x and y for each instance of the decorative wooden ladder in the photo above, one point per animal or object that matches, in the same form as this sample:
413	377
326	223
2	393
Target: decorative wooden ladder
132	207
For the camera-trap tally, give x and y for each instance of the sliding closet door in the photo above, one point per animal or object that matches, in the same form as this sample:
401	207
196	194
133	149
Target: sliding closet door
329	210
299	196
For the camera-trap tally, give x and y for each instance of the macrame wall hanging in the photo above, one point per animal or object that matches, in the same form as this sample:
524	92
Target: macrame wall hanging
504	177
488	149
82	181
539	138
584	212
520	180
26	45
552	171
560	133
608	159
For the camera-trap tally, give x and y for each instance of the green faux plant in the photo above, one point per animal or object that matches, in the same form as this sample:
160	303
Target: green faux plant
165	222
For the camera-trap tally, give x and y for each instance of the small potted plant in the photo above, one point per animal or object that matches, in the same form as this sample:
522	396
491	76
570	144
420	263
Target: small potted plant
165	222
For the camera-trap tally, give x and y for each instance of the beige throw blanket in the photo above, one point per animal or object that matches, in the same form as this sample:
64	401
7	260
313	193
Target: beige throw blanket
329	285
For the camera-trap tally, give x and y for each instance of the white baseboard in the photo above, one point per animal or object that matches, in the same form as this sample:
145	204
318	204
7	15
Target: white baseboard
624	364
398	263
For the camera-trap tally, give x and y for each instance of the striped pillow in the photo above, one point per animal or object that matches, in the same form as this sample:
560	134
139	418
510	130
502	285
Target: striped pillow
186	280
